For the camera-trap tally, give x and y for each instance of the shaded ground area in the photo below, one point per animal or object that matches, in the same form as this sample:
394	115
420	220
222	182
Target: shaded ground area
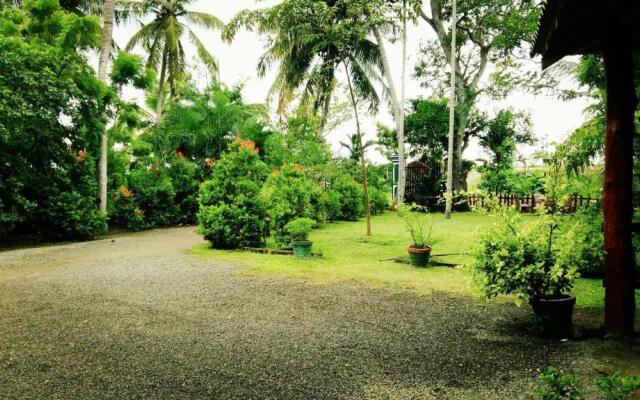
136	316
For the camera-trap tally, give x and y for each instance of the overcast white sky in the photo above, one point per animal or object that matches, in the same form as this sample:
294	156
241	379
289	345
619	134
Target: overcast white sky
553	119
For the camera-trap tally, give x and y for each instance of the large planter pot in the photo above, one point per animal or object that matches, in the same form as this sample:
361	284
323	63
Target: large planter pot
555	314
302	249
419	256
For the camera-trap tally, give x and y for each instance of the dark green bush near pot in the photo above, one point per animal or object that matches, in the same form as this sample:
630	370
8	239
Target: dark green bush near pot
290	194
584	242
420	226
345	199
558	385
299	229
379	200
232	212
524	260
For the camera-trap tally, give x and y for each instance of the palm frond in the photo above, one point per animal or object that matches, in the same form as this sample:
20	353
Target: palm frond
204	20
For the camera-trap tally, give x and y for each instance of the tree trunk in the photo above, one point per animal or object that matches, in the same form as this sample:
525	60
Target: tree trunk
161	82
363	164
398	117
618	175
108	15
451	161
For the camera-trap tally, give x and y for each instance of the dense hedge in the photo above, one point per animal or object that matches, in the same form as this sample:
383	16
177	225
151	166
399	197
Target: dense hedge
344	199
232	212
51	111
290	194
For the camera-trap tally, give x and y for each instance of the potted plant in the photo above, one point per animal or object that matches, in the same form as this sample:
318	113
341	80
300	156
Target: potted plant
418	224
299	230
523	260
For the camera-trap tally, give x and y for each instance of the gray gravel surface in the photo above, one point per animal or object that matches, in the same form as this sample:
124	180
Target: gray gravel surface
137	317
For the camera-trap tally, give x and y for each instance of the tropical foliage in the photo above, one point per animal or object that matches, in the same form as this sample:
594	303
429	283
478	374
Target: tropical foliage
52	110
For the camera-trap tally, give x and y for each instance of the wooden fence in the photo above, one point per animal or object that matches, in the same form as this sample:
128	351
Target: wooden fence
529	203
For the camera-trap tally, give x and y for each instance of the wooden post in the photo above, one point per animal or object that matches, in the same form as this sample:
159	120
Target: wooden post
618	170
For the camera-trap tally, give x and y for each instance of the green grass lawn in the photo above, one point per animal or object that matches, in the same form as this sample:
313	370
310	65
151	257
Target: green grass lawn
350	255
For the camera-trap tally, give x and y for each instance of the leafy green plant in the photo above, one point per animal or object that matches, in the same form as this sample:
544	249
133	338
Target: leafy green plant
617	386
124	212
419	225
299	229
185	181
521	259
584	243
559	385
290	194
232	213
345	199
52	107
379	200
154	195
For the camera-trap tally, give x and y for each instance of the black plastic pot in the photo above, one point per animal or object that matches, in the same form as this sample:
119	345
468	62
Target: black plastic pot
555	314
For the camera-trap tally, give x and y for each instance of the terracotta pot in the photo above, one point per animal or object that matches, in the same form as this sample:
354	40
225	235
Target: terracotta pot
419	256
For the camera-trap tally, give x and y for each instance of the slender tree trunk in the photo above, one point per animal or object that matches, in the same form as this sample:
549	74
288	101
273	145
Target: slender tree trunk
161	82
618	177
403	87
108	16
398	117
452	117
326	108
363	164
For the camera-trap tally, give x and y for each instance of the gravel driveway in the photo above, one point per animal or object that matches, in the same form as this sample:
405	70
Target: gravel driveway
137	317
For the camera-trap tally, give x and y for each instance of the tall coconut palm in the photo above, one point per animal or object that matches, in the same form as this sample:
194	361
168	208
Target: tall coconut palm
311	40
106	41
162	39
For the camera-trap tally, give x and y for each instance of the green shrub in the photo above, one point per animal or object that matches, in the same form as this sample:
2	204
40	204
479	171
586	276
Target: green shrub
558	385
184	178
232	212
379	200
299	229
617	386
514	258
345	199
584	243
330	205
72	215
154	195
124	211
289	194
230	226
47	178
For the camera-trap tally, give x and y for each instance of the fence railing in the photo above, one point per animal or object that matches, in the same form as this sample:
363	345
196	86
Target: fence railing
529	203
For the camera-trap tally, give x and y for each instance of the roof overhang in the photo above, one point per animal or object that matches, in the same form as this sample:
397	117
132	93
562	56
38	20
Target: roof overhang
572	27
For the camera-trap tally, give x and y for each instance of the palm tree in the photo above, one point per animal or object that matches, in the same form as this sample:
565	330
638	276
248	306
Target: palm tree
106	41
311	40
162	40
353	146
